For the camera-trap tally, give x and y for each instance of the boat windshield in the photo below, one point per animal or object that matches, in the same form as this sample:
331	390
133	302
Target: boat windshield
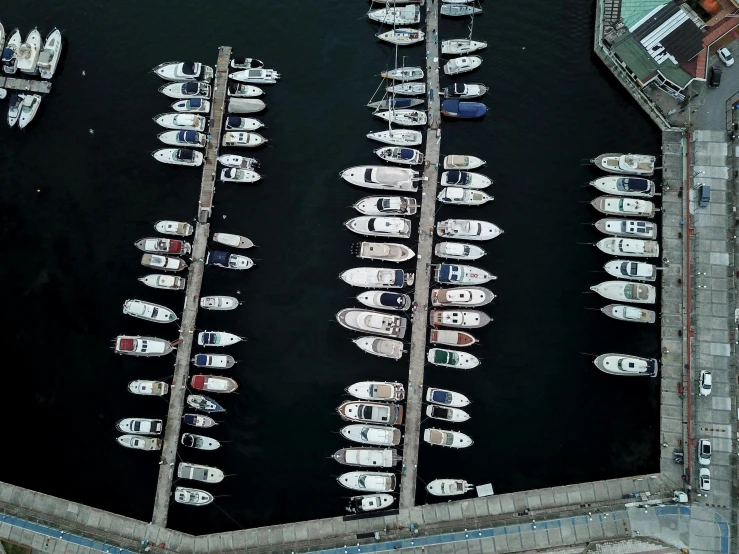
364	433
361	481
630	292
621	204
448	439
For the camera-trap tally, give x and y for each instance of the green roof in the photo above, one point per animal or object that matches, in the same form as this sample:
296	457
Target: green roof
632	11
635	56
675	74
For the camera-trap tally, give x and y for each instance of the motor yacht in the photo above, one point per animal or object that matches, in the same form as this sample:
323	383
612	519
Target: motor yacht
455	415
240	90
463	197
203	403
388	227
377	346
186	91
169	227
29	108
377	277
192	497
217	338
377	390
372	412
213	383
148	388
462	162
199	421
364	456
628	269
369	502
231	160
243	140
399	155
629	313
618	246
28	53
367	481
465	64
458	251
142	346
462	297
467	229
626	164
615	205
459	109
228	261
184	71
164	263
632	228
190	139
235	123
375	435
219	303
465	179
258	76
376	323
246	63
220	361
450	439
625	186
164	282
448	337
139	426
382	251
464	91
245	105
48	59
448	487
446	398
10	52
137	442
148	311
179	120
452	358
453	274
192	105
234	175
623	364
197	472
638	293
383	300
156	245
178	156
387	205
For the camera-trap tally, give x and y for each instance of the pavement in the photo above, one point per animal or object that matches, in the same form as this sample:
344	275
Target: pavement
708	109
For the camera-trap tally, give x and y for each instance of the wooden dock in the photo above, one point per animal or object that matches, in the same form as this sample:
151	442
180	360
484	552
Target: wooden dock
25	85
414	399
192	294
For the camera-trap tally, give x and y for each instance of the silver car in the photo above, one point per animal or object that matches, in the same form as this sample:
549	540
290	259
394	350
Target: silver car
704	452
704	479
705	383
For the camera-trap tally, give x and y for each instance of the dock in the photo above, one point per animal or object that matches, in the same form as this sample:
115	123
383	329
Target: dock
25	85
414	398
192	293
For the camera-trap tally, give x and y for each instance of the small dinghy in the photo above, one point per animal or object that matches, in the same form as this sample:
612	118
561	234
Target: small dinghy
367	457
626	164
192	497
630	366
463	163
221	361
451	338
235	241
450	439
28	53
192	105
198	472
10	52
14	108
235	123
637	293
448	487
376	323
191	139
164	282
204	404
148	311
380	390
467	229
138	442
464	64
387	205
148	388
213	383
229	261
393	227
402	15
139	426
463	197
614	205
199	442
246	63
446	398
627	269
258	76
382	251
462	296
459	251
402	37
455	415
198	420
372	412
155	245
177	121
245	105
185	91
384	348
398	137
395	103
230	160
377	277
381	177
369	503
385	300
461	46
452	358
458	10
233	175
217	338
463	319
366	481
625	186
240	90
220	303
452	274
184	71
633	228
376	435
629	313
459	109
29	108
178	156
399	155
464	179
179	228
409	118
243	140
465	92
407	89
617	246
141	346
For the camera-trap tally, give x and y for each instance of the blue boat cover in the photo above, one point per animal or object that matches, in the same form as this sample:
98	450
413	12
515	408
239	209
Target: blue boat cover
445	273
216	257
651	367
8	54
190	88
463	110
440	396
190	137
455	176
392	299
406	154
190	419
635	184
209	338
233	121
201	359
184	154
195	102
403	102
188	68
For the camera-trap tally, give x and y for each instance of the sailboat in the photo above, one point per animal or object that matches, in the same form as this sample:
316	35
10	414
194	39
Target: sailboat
462	46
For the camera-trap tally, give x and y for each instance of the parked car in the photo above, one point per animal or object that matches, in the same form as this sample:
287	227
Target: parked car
714	76
704	479
704	196
726	56
704	452
705	383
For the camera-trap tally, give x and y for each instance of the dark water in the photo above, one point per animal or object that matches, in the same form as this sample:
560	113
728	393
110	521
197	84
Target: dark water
542	414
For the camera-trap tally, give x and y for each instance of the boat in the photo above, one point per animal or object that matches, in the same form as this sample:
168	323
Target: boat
243	140
407	89
230	160
626	164
192	105
409	118
372	412
402	37
369	503
3	93
235	123
10	52
199	442
465	64
377	346
258	76
395	103
246	63
377	277
236	241
377	435
466	319
198	420
148	311
228	261
377	323
469	229
219	303
184	71
203	403
381	177
148	388
380	226
240	90
141	346
221	361
28	53
453	274
138	442
634	228
191	139
368	481
139	426
385	300
451	338
400	155
186	90
463	197
164	282
198	472
614	205
234	175
455	415
48	59
627	269
459	109
398	2
398	137
29	108
383	251
169	227
213	383
178	156
465	92
629	313
625	186
461	46
179	120
456	178
377	390
387	205
217	338
245	105
458	251
14	108
617	246
462	296
367	457
458	10
462	162
448	487
623	364
450	439
446	398
155	245
452	358
637	293
192	497
401	15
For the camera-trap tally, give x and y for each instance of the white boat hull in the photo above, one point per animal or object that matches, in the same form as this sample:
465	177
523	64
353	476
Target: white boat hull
448	487
397	137
461	46
465	64
624	291
382	347
459	251
402	37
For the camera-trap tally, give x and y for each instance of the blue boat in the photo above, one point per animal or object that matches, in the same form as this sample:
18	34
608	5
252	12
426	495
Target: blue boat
463	110
204	403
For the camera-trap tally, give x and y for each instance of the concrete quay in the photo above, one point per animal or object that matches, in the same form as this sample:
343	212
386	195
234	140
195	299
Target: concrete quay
25	85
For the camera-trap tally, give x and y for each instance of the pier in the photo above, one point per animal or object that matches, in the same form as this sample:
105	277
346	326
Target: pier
192	293
25	85
414	399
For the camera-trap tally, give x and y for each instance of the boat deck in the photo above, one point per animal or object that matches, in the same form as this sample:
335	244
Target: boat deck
25	85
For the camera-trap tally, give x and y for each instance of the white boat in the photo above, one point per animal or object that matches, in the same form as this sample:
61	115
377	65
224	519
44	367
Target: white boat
371	412
235	241
28	53
139	426
448	487
243	140
141	346
634	228
450	439
178	156
219	303
217	338
384	300
192	497
637	293
192	105
402	37
377	277
259	76
468	319
467	229
455	415
446	398
453	274
231	160
233	175
382	251
465	64
463	197
448	337
377	346
618	246
407	89
148	311
165	263
179	120
626	164
10	52
452	358
396	103
627	269
462	297
14	108
368	481
387	205
186	90
364	456
3	93
245	105
625	186
246	63
48	59
164	282
148	388
409	118
623	364
376	435
402	15
461	46
464	91
140	443
376	323
191	139
235	123
377	390
220	361
198	472
156	245
458	251
213	383
169	227
403	74
465	179
381	177
240	90
614	205
399	155
29	108
369	503
229	261
184	71
629	313
397	137
459	10
380	226
199	442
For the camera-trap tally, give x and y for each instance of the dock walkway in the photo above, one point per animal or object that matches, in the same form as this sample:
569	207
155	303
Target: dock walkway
414	402
192	293
25	85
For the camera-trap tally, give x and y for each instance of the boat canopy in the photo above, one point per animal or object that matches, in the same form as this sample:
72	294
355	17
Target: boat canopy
456	177
198	382
126	345
187	439
210	338
195	103
218	257
8	54
448	272
233	121
440	396
190	419
464	110
185	155
632	184
393	299
201	359
188	68
190	137
407	153
190	88
445	357
441	413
